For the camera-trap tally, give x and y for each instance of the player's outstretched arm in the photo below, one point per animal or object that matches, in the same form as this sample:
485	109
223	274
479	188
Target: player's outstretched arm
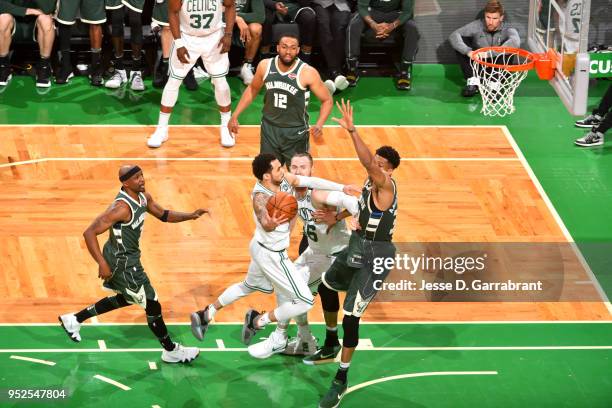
319	184
172	216
311	79
117	212
261	212
249	94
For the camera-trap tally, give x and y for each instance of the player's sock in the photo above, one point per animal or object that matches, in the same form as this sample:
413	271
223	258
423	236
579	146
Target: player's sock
225	117
342	373
331	336
163	120
158	327
118	62
95	57
262	321
101	306
281	328
212	311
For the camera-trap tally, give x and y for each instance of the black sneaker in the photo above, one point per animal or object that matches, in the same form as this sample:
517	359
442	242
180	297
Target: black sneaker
352	77
43	75
96	77
249	329
591	139
64	74
161	75
324	355
5	74
403	82
334	395
199	323
469	91
589	121
190	82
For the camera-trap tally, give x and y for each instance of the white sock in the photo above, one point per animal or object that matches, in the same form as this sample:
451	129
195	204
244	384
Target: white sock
211	312
332	329
225	117
263	320
304	331
282	330
163	120
345	366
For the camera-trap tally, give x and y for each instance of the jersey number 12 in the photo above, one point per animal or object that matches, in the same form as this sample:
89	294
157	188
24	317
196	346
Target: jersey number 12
280	101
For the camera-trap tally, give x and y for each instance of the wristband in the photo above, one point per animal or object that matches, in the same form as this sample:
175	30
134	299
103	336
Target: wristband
179	43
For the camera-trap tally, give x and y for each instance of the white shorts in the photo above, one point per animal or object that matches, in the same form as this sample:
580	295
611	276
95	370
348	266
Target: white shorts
311	265
273	271
216	64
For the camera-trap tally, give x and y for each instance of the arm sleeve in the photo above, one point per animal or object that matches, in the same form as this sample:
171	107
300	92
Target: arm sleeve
257	14
468	30
341	200
407	11
514	40
318	183
12	9
362	6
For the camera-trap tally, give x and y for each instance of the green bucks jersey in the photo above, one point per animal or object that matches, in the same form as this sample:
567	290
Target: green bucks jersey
285	100
376	225
122	250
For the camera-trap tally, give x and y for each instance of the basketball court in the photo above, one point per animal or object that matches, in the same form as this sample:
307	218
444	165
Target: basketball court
463	178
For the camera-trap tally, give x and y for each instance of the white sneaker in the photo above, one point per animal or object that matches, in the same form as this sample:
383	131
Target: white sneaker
341	82
136	83
473	81
331	87
300	346
180	354
158	137
119	78
246	73
593	138
274	344
227	138
71	326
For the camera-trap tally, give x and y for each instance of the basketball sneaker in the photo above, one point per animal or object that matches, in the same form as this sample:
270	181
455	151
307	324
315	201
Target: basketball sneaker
334	395
5	74
227	138
274	344
119	78
246	74
589	121
593	138
43	74
136	83
330	85
352	76
71	326
324	355
199	323
248	328
471	88
300	346
64	74
180	354
341	82
158	137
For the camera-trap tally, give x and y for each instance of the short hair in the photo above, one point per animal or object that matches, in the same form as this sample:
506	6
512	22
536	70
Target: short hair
262	164
390	154
494	6
302	154
289	35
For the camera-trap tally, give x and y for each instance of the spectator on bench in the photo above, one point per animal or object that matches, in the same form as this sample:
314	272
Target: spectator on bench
332	18
381	18
291	11
27	20
490	31
250	15
92	13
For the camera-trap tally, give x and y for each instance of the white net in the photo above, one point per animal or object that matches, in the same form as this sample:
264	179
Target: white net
497	84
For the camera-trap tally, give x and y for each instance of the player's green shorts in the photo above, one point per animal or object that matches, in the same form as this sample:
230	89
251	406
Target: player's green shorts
133	283
24	29
135	5
160	12
113	4
283	142
354	272
92	11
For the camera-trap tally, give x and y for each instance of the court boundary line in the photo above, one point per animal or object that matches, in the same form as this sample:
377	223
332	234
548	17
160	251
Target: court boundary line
557	218
254	126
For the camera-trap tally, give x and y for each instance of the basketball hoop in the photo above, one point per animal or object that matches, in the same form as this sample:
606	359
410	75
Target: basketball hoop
500	71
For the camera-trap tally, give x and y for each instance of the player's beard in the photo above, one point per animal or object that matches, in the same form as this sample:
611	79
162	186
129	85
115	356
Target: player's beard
290	63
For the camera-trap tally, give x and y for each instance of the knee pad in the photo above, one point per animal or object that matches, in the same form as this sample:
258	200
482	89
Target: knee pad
135	26
118	301
153	309
117	17
350	326
329	299
222	91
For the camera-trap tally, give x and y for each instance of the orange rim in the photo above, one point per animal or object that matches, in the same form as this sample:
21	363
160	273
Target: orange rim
530	57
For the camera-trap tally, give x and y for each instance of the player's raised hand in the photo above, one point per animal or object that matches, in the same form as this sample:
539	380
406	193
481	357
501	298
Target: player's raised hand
327	217
183	55
199	212
233	125
346	121
104	271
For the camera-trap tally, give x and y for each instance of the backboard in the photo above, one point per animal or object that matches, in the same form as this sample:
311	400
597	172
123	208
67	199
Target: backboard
563	25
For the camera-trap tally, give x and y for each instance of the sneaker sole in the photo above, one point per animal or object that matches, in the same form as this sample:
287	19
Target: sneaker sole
43	85
67	81
585	126
246	332
588	145
182	361
197	328
67	332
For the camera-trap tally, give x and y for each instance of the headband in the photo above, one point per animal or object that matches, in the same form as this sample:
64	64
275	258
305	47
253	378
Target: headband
129	174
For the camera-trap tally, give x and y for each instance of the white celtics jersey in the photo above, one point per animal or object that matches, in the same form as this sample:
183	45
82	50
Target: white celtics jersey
321	241
571	29
278	239
201	17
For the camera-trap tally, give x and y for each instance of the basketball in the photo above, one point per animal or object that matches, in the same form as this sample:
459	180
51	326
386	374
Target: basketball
283	205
